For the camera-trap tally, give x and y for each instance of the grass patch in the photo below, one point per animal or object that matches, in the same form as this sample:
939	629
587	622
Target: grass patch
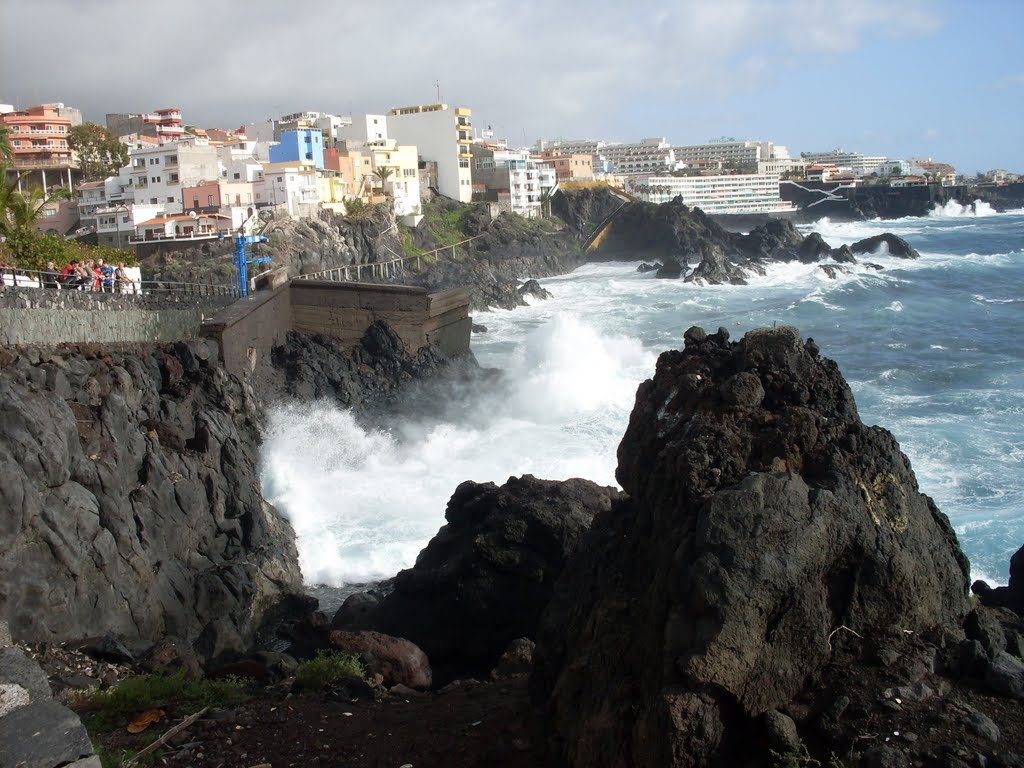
116	707
327	668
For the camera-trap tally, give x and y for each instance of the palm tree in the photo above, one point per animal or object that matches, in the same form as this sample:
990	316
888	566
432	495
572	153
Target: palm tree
19	211
6	153
383	173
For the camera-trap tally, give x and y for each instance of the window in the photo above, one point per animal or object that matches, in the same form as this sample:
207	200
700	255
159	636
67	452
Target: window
237	176
209	200
408	171
463	163
280	179
170	199
152	201
174	177
195	202
309	156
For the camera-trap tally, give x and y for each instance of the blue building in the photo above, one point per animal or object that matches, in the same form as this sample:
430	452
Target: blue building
299	146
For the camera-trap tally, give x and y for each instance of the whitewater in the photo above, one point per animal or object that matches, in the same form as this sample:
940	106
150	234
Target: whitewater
930	348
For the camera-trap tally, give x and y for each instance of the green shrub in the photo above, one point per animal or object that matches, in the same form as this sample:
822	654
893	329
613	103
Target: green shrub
116	707
328	668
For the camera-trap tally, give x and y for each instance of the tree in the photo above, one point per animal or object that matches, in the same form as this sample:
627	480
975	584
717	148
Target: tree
383	173
100	154
19	211
6	153
545	202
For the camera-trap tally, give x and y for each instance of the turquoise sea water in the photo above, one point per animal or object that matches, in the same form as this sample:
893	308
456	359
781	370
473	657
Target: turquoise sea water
930	348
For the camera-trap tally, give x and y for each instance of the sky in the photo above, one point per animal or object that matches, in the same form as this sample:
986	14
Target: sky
924	78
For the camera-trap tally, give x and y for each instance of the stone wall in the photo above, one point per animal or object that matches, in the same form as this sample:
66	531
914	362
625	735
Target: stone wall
249	329
40	316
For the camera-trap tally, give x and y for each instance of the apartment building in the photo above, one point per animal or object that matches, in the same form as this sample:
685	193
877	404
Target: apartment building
855	163
730	153
568	167
299	145
291	186
164	125
363	128
158	173
511	175
443	135
403	185
737	193
39	145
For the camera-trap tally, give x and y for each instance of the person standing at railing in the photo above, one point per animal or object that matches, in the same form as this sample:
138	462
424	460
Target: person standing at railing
107	270
121	279
50	275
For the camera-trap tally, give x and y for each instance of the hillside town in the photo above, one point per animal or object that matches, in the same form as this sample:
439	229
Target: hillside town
151	176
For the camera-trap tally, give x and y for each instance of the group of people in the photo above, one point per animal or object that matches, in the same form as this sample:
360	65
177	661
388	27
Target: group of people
88	276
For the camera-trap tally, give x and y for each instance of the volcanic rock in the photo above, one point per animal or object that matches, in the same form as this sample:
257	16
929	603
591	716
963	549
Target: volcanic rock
761	535
894	245
1010	596
813	249
399	661
484	579
533	288
131	480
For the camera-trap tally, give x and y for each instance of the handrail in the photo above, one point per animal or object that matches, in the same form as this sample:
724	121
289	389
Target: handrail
382	269
14	277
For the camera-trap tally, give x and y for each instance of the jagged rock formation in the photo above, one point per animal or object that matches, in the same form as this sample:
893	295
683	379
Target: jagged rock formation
893	245
131	501
484	579
506	252
765	522
311	367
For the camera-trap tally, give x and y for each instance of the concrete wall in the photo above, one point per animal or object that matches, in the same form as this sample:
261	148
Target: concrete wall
249	329
40	316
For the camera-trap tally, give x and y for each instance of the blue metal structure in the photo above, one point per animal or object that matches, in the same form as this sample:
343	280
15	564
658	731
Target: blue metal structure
242	260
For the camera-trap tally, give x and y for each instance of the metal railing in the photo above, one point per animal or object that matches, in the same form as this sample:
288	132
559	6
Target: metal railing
11	277
384	270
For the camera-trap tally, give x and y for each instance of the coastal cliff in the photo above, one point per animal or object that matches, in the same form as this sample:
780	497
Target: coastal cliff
133	499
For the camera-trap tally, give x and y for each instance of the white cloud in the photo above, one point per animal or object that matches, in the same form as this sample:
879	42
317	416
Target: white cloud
543	67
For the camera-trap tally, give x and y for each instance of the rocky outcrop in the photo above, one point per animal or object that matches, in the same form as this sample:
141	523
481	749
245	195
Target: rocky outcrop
132	498
311	367
766	527
886	242
505	252
691	245
1010	596
484	579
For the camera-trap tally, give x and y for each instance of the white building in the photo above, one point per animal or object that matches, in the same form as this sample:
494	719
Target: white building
513	172
108	208
362	129
158	173
648	156
854	163
291	186
730	152
738	193
443	135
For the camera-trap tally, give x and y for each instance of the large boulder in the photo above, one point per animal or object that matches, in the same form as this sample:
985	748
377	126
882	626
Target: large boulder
893	245
765	525
484	579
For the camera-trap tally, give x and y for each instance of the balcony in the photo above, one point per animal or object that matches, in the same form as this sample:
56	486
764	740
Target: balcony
39	163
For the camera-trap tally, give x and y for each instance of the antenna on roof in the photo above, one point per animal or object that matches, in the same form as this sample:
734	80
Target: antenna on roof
437	84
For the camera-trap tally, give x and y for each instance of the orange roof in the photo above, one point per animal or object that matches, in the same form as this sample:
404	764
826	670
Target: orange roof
90	184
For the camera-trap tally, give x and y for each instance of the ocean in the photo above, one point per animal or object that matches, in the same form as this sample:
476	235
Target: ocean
929	347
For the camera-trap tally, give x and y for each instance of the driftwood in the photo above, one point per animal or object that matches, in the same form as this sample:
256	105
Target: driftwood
167	737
